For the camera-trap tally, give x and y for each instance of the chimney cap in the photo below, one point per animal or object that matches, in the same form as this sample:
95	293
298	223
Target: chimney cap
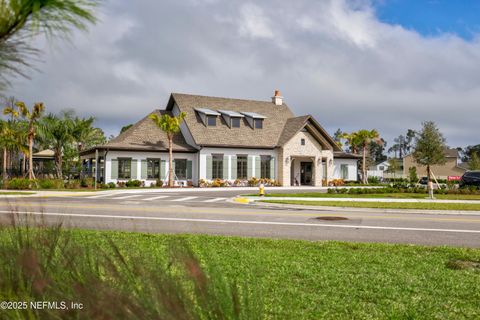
277	93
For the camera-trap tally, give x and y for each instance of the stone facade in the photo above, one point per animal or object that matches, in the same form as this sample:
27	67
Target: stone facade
303	147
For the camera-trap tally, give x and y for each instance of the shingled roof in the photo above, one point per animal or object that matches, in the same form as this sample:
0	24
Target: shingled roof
146	136
279	125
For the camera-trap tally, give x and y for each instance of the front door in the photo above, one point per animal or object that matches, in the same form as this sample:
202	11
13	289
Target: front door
305	173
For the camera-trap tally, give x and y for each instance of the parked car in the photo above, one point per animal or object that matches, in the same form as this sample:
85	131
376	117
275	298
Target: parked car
423	181
470	178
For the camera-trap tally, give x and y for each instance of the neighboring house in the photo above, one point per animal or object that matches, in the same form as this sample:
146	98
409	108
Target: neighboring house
346	166
383	169
221	138
452	166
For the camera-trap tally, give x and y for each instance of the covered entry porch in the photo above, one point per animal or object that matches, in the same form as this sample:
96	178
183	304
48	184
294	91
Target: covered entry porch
307	170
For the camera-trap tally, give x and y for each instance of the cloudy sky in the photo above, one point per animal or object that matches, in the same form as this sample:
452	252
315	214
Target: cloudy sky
384	64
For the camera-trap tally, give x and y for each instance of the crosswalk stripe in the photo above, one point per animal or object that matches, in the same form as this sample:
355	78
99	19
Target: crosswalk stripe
155	198
127	197
214	200
99	196
185	199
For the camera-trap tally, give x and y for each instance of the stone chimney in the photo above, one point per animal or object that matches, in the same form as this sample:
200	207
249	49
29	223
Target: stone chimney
277	98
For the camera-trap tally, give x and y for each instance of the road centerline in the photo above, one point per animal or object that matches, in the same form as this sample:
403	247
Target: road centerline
250	222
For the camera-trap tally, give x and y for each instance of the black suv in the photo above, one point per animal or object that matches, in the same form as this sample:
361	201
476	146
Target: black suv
470	178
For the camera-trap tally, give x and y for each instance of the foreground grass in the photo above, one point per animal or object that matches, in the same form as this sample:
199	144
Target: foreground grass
299	279
376	195
384	205
8	193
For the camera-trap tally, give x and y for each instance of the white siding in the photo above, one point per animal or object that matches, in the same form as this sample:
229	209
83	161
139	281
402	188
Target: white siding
352	168
139	156
230	152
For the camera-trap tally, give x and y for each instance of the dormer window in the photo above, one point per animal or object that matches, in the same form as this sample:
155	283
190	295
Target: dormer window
232	118
208	117
255	120
211	121
235	122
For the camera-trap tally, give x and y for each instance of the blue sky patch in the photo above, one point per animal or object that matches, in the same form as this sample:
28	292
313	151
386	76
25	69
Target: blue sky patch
433	17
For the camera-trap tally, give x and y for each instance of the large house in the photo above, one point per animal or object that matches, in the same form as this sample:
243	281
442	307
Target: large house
453	167
222	138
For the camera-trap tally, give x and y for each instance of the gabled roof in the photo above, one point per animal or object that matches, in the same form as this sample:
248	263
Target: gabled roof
222	134
279	123
294	125
146	136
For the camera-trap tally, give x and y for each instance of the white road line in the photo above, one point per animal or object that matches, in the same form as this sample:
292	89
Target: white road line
99	196
154	198
185	199
273	223
215	199
127	197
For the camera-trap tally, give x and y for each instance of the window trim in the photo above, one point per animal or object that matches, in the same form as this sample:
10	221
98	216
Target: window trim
302	141
176	168
217	159
122	176
239	122
243	166
265	166
153	177
209	117
255	121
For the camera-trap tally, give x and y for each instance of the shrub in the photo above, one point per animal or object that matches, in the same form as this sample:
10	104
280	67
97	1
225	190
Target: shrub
72	184
111	185
159	183
217	183
87	182
20	184
252	182
373	180
50	184
133	183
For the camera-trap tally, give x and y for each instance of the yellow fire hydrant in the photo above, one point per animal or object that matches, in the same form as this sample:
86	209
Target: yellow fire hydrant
261	189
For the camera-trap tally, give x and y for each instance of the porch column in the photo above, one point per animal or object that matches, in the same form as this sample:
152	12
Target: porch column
317	171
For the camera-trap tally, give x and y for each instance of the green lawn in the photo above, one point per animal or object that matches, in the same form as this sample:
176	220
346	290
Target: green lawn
7	193
384	205
314	280
376	195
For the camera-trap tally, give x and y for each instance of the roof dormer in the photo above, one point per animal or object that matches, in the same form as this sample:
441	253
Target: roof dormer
254	120
232	118
208	116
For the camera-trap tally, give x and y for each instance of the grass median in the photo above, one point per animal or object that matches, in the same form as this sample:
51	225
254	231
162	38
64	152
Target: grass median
374	196
14	193
292	279
384	205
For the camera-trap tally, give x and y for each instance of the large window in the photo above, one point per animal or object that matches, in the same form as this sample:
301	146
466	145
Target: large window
181	169
258	123
235	122
211	121
217	167
153	169
242	164
124	168
344	171
265	167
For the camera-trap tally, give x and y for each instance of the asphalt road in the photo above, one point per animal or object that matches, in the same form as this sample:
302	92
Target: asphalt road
213	213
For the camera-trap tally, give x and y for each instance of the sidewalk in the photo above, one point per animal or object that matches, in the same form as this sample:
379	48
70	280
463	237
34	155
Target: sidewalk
68	193
363	200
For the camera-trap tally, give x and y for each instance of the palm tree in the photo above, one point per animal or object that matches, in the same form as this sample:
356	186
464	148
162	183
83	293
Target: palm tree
55	132
85	135
22	19
170	125
32	117
364	137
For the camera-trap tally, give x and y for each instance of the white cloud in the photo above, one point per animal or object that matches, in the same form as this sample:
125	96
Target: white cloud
253	22
333	59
